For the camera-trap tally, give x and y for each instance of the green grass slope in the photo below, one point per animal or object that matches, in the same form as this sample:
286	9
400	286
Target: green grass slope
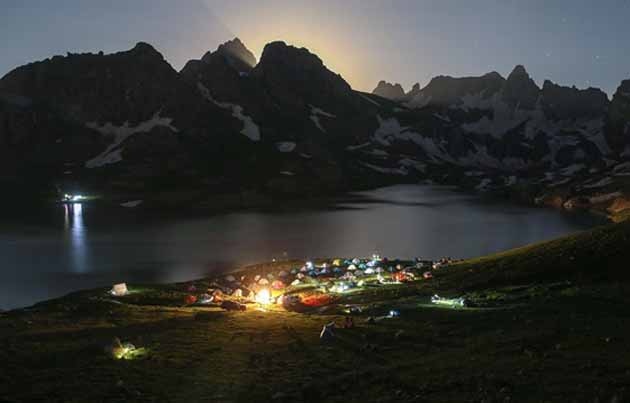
550	322
602	254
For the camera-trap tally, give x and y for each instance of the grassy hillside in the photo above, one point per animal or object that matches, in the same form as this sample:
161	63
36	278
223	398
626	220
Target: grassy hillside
547	322
601	254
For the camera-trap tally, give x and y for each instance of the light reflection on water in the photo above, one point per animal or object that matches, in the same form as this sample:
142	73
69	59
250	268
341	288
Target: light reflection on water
73	225
49	253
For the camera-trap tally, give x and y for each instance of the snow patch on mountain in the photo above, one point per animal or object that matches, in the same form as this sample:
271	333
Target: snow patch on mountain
315	115
411	163
378	152
504	118
358	146
477	101
593	130
418	101
443	118
113	153
387	171
623	168
250	129
285	146
600	183
511	180
483	185
390	131
370	100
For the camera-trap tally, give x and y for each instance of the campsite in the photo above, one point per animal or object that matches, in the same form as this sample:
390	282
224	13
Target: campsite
521	325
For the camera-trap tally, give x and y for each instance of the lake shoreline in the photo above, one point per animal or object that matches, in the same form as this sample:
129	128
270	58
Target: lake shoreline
170	345
202	202
97	243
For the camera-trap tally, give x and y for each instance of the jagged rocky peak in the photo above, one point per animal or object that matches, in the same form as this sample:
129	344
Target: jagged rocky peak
519	71
622	95
125	86
279	52
389	90
235	53
414	90
236	48
520	90
618	133
297	77
145	49
447	90
569	102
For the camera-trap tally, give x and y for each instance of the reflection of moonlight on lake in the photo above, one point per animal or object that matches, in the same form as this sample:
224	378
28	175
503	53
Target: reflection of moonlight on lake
73	224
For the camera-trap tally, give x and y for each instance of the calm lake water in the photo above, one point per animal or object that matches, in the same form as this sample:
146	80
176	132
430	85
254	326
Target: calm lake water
49	253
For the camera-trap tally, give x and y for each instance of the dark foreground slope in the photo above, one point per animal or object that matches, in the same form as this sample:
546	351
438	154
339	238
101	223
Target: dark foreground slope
547	322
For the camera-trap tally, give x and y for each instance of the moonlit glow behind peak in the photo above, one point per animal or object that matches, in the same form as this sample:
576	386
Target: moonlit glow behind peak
571	42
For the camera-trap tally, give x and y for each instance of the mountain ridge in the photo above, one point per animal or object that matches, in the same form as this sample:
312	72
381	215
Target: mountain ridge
287	123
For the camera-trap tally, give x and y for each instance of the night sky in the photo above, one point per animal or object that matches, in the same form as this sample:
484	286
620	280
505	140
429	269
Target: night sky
571	42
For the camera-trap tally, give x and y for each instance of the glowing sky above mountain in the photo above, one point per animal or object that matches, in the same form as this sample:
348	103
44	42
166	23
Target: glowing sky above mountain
572	42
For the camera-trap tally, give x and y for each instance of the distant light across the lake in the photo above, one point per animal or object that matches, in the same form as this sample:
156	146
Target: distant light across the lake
572	42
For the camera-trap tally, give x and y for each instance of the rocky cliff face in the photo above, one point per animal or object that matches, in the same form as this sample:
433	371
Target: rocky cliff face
237	55
519	90
568	145
296	78
132	115
223	74
619	119
289	124
510	125
123	87
571	103
447	91
389	91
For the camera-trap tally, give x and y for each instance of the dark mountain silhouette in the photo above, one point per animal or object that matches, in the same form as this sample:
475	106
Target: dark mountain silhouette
520	90
619	118
389	91
241	58
128	120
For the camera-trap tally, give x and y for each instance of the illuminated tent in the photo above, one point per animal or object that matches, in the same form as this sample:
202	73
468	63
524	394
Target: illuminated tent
118	290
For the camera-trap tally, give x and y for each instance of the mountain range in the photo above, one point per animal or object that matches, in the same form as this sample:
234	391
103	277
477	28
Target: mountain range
128	123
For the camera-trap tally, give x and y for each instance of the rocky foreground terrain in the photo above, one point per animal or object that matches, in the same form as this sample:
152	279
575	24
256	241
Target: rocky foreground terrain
227	127
546	322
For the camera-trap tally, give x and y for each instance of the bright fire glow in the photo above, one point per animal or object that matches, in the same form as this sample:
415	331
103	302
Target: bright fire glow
263	297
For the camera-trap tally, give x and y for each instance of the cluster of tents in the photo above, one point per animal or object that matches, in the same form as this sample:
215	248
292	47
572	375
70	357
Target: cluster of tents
309	285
